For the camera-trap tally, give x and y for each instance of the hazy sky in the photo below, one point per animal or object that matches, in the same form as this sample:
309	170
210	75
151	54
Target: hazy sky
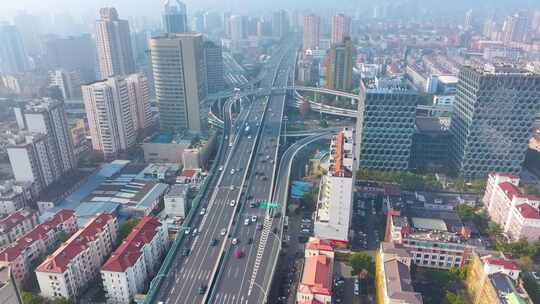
153	7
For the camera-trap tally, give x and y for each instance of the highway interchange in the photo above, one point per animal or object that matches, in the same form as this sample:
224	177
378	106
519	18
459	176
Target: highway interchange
205	269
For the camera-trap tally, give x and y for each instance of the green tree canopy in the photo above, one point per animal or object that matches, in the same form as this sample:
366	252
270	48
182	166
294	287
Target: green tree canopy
360	262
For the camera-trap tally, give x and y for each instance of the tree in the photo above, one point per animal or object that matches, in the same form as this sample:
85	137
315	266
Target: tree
361	263
126	227
465	212
61	301
531	189
30	298
494	231
453	298
459	273
532	288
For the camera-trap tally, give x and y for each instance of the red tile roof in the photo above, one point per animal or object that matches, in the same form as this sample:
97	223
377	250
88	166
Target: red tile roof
317	275
15	218
78	242
39	232
318	244
528	211
130	250
189	173
310	302
512	191
507	264
509	175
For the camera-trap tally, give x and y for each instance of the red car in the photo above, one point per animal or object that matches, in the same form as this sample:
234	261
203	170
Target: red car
238	253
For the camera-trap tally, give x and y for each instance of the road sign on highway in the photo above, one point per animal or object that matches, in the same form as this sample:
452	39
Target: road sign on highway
266	205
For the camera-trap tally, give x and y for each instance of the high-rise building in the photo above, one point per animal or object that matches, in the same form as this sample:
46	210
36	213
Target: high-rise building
214	67
48	117
311	32
211	22
68	82
535	24
469	20
108	107
341	28
492	119
238	27
180	81
515	28
280	24
13	57
32	161
340	65
175	17
385	124
334	205
30	28
113	41
72	53
139	97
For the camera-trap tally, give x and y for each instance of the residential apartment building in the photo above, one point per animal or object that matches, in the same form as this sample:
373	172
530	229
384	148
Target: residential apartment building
113	43
67	271
180	81
385	124
315	285
489	133
15	195
494	279
9	291
48	116
17	224
280	24
108	108
139	101
341	28
68	82
433	238
21	254
133	264
393	281
32	161
311	34
340	66
516	212
334	204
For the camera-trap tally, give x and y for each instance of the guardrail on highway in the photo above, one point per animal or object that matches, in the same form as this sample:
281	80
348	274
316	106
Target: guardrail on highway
165	266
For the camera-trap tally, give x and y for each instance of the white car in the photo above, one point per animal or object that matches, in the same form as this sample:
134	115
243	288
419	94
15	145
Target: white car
223	231
231	187
234	241
246	222
253	218
220	168
186	231
232	203
203	211
194	233
232	171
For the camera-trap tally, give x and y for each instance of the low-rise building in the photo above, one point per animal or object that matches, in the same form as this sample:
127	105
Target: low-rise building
176	201
516	212
334	204
131	266
16	195
17	224
434	238
493	279
393	276
67	271
21	254
316	283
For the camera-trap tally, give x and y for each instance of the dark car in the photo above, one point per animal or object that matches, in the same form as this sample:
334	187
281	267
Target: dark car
213	242
186	252
202	289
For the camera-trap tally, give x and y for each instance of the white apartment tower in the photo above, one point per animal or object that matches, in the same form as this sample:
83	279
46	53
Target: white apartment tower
139	96
108	107
113	43
334	206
